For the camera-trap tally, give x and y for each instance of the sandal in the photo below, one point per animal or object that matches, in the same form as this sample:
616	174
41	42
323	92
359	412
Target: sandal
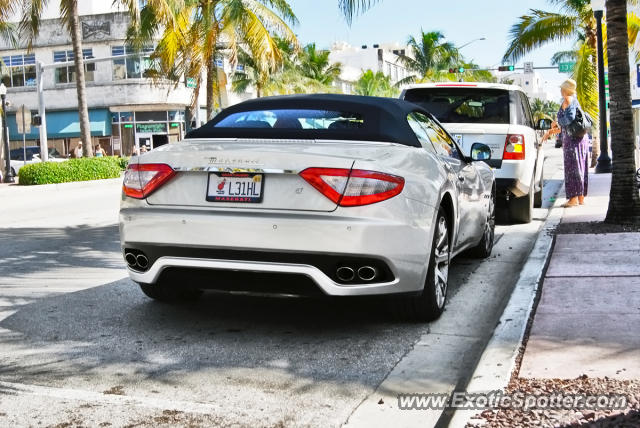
568	205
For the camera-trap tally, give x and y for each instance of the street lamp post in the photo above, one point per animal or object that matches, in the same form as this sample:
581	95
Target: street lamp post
604	161
8	177
468	43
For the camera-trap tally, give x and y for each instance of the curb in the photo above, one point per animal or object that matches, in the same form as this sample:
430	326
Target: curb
60	186
498	360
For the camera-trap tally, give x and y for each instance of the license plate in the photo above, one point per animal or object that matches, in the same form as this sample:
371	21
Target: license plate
458	138
235	187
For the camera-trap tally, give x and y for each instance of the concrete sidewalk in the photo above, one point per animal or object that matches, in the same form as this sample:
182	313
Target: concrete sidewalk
588	318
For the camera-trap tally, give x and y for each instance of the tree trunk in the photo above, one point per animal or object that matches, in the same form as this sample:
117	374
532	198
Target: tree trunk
212	76
624	201
83	109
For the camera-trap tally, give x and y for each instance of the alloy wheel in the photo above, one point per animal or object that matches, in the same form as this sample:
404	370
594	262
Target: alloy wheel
441	268
490	227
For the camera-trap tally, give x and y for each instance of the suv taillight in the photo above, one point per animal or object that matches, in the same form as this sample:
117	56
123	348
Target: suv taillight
141	180
350	188
514	147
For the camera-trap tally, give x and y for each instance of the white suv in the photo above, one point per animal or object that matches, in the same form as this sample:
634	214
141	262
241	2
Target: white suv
500	117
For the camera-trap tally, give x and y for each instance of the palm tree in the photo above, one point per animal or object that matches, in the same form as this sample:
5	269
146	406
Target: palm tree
29	28
375	85
624	201
431	59
315	65
575	22
305	71
473	74
544	109
197	32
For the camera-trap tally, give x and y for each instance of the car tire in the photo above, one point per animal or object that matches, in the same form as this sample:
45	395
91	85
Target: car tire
484	247
537	199
169	294
429	305
13	172
521	209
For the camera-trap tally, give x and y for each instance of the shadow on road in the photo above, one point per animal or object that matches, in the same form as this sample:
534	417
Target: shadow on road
41	249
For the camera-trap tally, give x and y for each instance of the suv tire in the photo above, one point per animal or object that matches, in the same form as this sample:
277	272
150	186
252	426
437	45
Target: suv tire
521	209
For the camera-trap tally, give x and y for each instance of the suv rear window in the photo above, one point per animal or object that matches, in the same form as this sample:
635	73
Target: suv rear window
463	105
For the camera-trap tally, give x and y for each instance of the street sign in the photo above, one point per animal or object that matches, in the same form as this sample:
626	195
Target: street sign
151	128
528	67
23	120
566	67
191	82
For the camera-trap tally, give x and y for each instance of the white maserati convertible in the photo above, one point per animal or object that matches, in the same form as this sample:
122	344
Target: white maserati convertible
330	194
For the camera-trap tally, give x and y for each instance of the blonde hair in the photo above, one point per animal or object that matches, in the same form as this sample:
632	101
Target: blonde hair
569	85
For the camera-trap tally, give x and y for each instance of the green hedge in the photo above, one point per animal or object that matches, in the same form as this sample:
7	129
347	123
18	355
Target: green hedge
83	169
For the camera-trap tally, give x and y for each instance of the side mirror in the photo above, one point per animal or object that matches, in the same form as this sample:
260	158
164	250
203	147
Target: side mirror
480	152
544	124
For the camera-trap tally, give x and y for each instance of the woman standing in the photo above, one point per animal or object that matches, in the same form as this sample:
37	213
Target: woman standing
575	149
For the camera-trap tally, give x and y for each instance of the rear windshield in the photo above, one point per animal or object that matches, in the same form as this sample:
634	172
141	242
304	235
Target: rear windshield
293	119
463	105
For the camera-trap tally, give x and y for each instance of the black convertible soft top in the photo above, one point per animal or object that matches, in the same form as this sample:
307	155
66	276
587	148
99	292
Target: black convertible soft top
384	119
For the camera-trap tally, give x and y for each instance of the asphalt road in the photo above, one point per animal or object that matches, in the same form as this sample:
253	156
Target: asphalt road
80	345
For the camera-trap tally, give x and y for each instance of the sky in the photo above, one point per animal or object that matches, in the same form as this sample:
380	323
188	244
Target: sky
320	21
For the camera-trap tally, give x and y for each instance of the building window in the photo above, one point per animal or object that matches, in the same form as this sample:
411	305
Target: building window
19	70
133	67
67	74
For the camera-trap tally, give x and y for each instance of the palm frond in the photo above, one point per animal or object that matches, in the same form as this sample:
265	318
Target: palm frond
352	8
586	79
8	32
29	26
633	27
561	56
538	29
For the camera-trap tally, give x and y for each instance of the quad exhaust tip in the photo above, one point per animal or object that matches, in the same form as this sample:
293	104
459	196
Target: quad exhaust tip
131	260
136	261
142	260
345	274
367	273
363	273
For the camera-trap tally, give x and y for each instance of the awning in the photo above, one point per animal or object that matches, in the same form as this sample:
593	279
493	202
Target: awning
65	124
635	103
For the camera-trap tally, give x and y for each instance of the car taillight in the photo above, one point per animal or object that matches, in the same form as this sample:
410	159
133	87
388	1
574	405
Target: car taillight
514	147
141	180
350	188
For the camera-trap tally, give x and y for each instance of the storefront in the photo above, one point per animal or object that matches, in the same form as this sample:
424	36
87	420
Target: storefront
63	130
135	129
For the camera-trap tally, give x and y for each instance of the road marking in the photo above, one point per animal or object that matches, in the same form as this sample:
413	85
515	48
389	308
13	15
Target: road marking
12	388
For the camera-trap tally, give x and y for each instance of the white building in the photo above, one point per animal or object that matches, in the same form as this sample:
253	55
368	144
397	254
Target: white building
375	57
533	85
126	108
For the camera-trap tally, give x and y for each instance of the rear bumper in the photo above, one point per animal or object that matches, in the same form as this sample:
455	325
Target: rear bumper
309	244
513	177
320	279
